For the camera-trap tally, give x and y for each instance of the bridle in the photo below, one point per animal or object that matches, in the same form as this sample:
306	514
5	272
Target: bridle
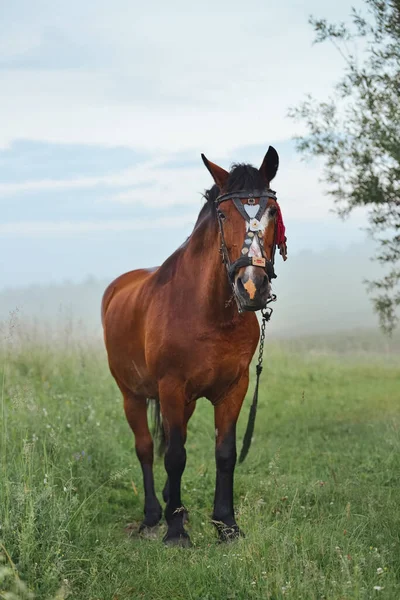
254	232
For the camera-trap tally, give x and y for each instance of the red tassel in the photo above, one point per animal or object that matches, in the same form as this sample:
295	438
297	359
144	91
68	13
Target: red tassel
280	233
280	227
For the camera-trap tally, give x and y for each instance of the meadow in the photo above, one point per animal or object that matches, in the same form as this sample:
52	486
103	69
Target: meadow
318	496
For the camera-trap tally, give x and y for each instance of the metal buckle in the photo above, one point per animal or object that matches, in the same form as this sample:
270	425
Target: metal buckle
251	201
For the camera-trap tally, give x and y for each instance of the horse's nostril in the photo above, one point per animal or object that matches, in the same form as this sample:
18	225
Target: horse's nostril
240	285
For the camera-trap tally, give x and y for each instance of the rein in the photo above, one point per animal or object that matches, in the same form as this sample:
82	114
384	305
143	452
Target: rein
254	231
266	314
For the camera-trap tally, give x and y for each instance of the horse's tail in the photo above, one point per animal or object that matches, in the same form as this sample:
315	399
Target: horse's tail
158	427
248	436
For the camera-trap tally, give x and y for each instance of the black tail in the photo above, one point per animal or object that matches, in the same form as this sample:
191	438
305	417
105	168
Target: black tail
158	427
252	419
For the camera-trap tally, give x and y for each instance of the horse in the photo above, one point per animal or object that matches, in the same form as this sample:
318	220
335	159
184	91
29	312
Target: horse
188	330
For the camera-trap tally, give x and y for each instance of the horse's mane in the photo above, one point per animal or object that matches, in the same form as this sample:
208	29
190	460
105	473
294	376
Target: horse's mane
241	177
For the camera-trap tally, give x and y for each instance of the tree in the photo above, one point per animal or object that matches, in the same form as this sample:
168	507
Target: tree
357	134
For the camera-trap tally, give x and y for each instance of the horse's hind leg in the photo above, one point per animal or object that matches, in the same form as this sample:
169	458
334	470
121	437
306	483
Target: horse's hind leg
136	413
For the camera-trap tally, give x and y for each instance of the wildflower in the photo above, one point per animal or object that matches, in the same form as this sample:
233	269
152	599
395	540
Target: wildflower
253	582
378	588
68	425
65	489
45	412
379	570
34	438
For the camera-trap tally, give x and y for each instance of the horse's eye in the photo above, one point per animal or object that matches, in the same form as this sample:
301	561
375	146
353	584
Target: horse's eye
272	211
221	216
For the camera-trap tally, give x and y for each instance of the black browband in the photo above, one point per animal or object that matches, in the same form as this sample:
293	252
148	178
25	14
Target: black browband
261	194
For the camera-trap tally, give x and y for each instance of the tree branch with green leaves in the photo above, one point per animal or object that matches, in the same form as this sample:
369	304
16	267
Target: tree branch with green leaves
356	132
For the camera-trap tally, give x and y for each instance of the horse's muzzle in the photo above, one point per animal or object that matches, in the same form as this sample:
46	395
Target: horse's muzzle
252	286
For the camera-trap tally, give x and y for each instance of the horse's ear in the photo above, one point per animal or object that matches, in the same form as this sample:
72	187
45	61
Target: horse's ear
219	174
270	165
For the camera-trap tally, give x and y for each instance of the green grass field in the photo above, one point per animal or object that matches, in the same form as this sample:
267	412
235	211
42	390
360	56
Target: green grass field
318	496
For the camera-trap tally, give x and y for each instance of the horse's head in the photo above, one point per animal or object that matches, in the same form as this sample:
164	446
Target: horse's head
250	226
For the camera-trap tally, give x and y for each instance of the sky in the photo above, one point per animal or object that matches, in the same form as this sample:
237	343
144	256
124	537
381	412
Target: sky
105	108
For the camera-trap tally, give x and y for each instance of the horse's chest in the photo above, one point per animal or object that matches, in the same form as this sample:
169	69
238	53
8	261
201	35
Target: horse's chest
203	359
220	363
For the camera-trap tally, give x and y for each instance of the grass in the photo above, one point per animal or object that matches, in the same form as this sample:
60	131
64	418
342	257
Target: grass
318	495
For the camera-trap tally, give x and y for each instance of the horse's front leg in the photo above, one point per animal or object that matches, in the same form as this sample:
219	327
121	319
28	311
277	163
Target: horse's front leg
189	409
226	415
172	402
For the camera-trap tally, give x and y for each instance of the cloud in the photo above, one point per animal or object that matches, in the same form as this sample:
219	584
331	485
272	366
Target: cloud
28	160
117	102
71	228
173	181
160	77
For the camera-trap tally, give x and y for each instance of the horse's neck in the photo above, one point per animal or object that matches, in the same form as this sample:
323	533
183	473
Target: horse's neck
203	264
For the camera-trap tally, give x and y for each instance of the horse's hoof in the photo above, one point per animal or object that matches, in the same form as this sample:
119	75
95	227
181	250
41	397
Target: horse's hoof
181	540
229	533
147	532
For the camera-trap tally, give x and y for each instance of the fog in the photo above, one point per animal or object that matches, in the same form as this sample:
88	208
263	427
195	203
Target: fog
318	292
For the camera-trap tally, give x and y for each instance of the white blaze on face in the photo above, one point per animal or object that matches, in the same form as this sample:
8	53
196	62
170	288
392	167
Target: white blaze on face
255	248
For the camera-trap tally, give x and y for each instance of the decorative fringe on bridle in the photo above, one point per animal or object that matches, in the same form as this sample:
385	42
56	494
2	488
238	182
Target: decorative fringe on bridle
280	227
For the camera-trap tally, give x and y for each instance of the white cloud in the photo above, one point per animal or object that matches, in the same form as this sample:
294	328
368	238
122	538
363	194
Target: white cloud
151	185
172	77
18	42
68	228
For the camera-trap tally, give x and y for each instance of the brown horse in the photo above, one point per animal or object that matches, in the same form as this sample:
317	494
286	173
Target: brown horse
187	330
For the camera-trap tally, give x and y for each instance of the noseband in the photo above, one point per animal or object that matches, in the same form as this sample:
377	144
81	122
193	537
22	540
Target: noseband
254	232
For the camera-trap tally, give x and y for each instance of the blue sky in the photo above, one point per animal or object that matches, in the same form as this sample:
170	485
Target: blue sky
106	107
